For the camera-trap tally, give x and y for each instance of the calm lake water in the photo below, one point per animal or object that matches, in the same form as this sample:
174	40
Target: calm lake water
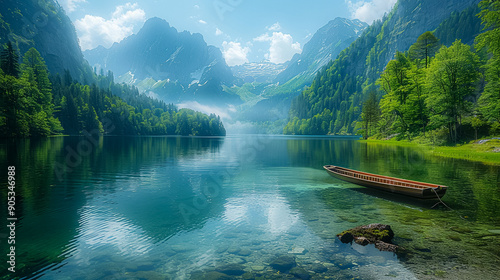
184	208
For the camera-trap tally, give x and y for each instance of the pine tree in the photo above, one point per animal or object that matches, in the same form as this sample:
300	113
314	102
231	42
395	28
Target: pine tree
34	66
10	61
426	46
370	112
39	94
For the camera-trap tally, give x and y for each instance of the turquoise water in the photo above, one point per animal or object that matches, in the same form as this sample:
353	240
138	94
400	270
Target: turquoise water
185	208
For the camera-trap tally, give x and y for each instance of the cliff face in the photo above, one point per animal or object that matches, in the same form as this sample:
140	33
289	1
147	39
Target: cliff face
42	24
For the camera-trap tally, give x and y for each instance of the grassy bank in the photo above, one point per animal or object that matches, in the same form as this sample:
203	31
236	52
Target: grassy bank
484	151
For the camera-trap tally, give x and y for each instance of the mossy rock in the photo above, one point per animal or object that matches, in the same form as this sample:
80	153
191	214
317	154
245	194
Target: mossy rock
372	232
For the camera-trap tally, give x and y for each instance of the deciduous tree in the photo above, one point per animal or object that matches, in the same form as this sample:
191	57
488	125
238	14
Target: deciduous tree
451	81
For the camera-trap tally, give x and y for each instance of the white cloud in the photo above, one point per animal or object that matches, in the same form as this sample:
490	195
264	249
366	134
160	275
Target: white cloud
281	49
368	11
263	38
94	30
234	53
218	32
70	5
274	27
196	7
202	21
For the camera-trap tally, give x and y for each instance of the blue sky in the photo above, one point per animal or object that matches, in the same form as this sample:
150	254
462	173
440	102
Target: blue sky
245	30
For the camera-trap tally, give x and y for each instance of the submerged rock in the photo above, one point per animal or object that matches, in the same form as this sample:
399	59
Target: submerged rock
248	276
231	269
318	268
300	273
210	275
244	252
148	275
379	234
221	249
298	251
233	249
283	263
258	267
181	248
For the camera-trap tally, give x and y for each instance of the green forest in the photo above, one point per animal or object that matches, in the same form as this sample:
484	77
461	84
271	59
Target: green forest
36	103
441	90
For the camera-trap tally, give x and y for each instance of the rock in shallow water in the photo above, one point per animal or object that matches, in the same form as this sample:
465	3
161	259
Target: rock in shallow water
211	275
318	268
378	234
298	251
300	273
231	269
248	276
181	248
258	267
283	263
233	249
244	252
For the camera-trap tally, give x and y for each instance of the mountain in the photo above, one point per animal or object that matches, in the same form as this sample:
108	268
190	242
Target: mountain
263	72
323	47
176	66
337	93
42	24
271	99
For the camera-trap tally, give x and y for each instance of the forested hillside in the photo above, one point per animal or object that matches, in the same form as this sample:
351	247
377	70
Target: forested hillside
34	105
333	104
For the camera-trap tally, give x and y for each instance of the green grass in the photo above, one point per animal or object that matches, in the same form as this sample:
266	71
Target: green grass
488	152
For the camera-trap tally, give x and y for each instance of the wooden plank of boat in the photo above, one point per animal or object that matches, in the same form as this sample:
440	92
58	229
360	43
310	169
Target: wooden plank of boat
386	183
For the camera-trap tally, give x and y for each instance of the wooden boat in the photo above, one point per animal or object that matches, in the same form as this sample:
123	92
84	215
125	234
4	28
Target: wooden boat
390	184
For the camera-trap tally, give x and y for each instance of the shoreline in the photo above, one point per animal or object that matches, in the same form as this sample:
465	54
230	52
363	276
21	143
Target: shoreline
487	152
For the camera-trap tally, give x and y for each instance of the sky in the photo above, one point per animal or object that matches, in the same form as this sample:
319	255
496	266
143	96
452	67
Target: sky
244	30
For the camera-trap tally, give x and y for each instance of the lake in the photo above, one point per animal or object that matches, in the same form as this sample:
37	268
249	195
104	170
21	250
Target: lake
226	208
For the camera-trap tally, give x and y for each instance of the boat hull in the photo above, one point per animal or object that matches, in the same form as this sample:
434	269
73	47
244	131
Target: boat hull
388	184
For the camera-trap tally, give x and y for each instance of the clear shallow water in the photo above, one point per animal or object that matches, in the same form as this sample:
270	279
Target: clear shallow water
181	208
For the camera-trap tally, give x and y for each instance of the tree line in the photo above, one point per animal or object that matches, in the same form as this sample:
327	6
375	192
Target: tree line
35	103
